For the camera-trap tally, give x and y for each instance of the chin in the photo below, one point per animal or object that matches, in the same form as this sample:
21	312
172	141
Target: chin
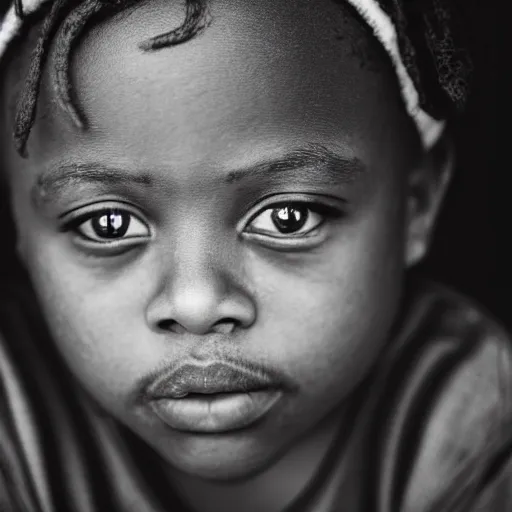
227	472
221	459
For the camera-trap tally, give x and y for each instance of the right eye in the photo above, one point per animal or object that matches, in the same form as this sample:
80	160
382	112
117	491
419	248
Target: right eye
110	225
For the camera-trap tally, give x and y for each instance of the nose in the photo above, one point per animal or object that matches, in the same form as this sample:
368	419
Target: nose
201	295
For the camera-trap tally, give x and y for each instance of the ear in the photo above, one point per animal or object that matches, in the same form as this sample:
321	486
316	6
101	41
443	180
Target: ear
426	186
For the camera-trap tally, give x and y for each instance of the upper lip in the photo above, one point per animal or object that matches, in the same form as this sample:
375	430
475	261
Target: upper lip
214	377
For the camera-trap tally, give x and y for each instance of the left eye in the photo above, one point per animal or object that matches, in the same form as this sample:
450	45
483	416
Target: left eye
286	219
110	225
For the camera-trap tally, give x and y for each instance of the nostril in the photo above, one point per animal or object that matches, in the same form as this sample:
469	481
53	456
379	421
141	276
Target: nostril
171	325
225	326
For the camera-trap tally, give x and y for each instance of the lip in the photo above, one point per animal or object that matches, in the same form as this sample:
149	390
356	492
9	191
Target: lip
216	397
215	413
216	377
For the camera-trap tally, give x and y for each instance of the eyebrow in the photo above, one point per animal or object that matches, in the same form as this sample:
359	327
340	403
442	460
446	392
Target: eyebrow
55	181
313	163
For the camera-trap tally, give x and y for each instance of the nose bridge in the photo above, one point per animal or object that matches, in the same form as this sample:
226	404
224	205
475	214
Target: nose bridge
203	284
200	255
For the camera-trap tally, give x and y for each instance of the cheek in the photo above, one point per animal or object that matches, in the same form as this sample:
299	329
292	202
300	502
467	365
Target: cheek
334	309
97	319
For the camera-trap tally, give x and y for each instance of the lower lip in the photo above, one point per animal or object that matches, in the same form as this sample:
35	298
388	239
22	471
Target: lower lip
216	413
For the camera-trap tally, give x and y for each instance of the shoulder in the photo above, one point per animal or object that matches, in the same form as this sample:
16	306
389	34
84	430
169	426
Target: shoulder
21	458
458	403
37	418
474	350
58	450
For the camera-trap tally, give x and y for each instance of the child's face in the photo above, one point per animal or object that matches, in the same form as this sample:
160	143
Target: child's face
195	145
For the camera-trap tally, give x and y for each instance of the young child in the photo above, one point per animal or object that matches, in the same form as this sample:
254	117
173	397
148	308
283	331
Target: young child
216	205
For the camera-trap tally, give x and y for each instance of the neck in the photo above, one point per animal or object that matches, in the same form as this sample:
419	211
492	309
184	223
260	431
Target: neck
273	489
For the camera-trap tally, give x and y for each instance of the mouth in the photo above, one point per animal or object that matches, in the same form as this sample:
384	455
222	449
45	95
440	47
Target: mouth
215	413
214	398
217	377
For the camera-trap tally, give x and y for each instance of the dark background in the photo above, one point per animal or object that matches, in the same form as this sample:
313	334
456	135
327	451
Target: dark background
470	249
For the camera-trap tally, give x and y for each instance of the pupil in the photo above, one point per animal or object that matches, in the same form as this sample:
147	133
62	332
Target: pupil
111	224
289	219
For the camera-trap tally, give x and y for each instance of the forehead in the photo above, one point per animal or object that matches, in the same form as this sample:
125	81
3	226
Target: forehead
261	73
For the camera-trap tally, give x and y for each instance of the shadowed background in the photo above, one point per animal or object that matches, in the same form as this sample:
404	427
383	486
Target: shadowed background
470	250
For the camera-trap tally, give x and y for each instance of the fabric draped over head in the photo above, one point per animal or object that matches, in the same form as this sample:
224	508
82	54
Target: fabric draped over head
424	39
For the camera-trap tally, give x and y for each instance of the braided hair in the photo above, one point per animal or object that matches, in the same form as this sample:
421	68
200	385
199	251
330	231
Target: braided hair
431	38
434	46
69	18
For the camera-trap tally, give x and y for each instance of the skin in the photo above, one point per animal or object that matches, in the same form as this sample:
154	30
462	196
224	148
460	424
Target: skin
209	275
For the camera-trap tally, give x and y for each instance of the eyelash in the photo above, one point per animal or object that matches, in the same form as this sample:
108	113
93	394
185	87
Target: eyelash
96	213
327	212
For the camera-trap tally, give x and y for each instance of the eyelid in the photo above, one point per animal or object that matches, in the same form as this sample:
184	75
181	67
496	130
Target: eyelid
251	230
106	202
106	247
84	212
322	203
